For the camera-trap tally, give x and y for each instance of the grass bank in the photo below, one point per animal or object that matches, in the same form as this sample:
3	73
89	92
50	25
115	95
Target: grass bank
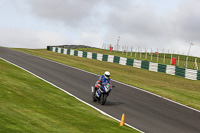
175	88
28	104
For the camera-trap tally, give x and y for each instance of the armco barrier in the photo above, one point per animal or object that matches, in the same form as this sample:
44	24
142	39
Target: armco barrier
145	65
180	71
162	68
129	62
116	59
151	66
191	74
198	75
99	57
170	70
122	60
105	57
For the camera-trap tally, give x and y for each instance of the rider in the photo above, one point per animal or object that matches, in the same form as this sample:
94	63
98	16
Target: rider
105	78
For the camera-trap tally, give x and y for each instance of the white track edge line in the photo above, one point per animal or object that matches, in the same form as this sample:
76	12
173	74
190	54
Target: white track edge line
102	112
119	82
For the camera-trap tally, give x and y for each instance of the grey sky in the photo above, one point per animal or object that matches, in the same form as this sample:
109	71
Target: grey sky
161	24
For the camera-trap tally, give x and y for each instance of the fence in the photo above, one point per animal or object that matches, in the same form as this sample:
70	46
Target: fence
151	66
162	58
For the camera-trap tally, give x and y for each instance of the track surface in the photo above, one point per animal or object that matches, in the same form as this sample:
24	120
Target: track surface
144	111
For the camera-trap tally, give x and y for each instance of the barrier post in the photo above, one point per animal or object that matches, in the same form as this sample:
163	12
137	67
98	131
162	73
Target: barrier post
164	58
135	52
146	54
178	60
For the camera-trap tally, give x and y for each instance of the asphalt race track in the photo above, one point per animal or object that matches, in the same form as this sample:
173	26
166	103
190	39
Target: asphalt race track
142	110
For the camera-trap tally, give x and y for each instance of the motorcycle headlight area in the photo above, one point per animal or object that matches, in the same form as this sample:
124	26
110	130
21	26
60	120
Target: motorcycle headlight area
107	88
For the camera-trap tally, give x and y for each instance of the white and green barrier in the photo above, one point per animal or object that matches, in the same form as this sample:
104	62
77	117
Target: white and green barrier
151	66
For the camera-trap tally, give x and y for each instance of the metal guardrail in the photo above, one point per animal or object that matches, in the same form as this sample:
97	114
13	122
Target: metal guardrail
70	46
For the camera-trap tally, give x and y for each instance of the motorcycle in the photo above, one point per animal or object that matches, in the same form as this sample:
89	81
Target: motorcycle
102	93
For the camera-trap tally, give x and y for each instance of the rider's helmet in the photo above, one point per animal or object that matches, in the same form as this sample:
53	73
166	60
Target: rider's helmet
107	74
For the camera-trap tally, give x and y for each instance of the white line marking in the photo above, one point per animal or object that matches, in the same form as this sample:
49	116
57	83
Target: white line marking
104	113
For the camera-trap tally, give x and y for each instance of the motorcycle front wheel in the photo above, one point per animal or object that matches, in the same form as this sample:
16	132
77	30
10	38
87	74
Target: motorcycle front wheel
103	99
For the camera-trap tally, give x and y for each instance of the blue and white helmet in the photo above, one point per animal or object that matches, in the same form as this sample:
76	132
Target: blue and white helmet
107	74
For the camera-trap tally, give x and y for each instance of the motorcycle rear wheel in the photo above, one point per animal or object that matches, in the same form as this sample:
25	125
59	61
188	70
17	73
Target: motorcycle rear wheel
94	97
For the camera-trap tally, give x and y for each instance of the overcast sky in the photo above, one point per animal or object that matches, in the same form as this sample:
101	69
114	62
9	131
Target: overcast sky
162	24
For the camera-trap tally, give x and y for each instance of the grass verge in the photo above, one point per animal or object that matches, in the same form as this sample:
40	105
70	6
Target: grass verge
28	104
175	88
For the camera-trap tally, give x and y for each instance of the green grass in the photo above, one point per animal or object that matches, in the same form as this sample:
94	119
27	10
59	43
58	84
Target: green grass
28	104
175	88
182	58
